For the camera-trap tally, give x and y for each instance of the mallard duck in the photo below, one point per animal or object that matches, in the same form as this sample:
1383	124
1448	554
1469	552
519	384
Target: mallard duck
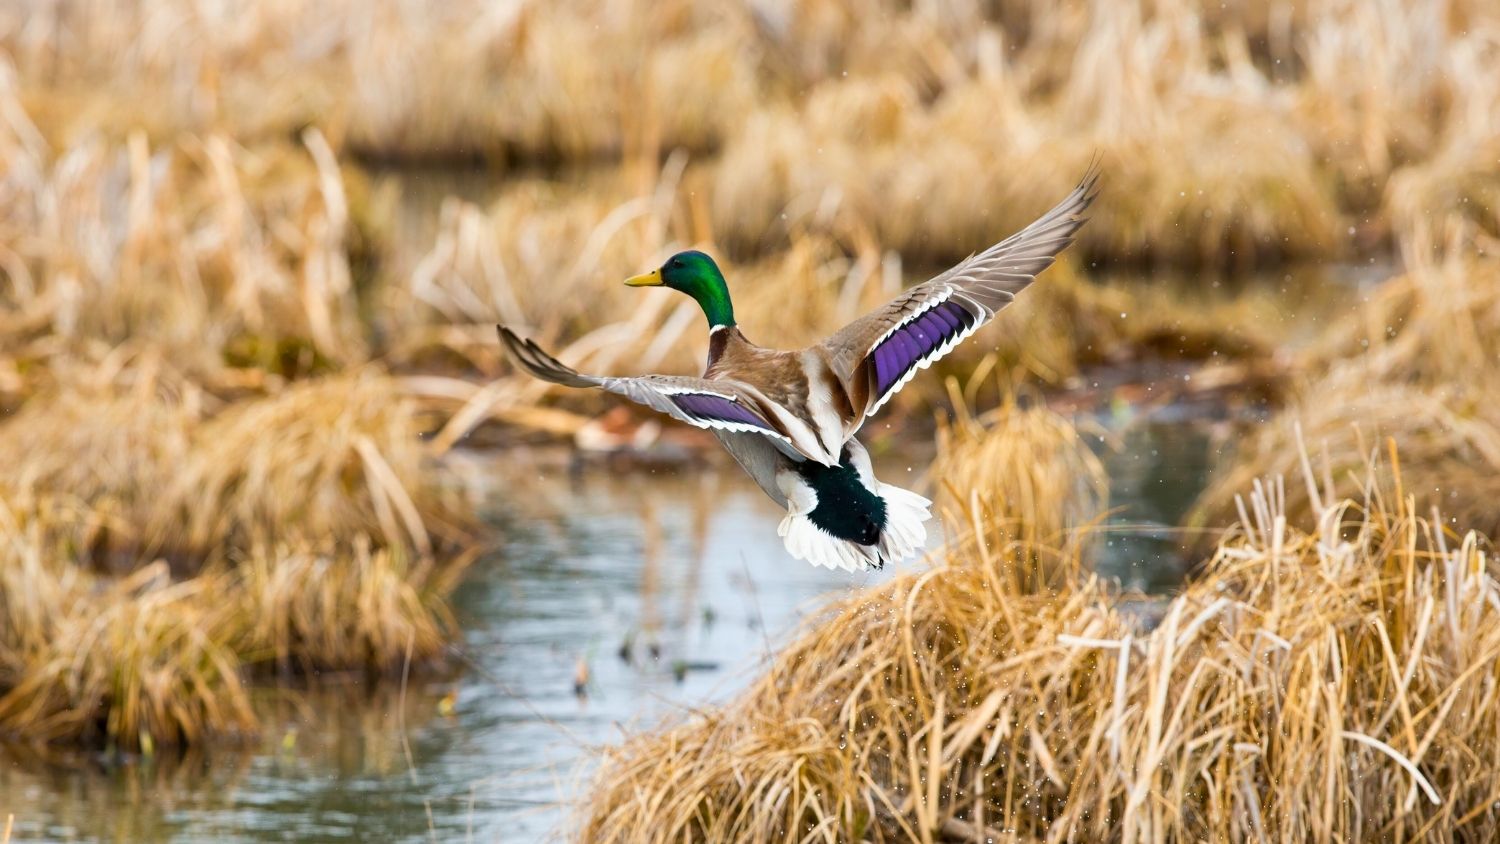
790	417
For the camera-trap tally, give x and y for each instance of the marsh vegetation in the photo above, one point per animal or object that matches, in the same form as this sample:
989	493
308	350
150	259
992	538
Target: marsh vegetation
250	262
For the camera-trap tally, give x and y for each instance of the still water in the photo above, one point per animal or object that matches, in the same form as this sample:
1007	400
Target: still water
653	591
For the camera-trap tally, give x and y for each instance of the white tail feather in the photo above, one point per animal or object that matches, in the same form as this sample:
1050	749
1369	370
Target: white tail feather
903	536
905	516
806	541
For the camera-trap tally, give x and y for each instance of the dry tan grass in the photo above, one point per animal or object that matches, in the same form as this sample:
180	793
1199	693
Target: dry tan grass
1437	322
1322	683
140	662
113	448
324	461
1232	134
132	662
213	253
1459	177
194	286
304	533
1300	111
37	584
1449	436
1018	474
157	303
540	80
547	256
940	182
581	97
363	608
1415	361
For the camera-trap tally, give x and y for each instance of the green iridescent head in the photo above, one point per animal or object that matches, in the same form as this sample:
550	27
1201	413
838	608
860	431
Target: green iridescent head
695	274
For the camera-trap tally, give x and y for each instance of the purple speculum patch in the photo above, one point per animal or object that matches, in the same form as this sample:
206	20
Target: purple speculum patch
712	408
916	340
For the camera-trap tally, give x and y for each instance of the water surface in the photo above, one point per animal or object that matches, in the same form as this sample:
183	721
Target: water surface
653	590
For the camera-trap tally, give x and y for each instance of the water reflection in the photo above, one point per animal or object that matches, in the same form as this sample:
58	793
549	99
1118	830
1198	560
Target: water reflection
1155	474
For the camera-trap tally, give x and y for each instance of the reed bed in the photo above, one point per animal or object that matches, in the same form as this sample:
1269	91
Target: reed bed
324	459
834	117
1415	361
36	584
1325	680
112	447
184	319
219	257
1019	473
151	658
364	607
131	662
1142	85
134	664
545	81
174	319
1167	200
192	552
1434	323
207	482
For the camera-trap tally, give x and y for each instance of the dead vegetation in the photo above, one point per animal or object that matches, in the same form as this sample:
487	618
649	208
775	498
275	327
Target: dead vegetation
206	480
1232	134
1325	679
1415	361
1019	474
155	559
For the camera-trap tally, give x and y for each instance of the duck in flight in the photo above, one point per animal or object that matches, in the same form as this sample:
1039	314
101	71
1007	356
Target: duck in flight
790	417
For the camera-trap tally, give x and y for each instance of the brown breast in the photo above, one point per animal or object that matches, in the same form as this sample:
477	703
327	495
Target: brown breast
781	376
777	374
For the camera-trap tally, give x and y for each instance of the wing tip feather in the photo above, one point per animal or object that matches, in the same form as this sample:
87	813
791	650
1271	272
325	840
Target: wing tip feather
1078	200
1089	184
538	363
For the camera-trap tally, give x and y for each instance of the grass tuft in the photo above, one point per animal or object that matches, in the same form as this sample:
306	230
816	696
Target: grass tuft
131	664
309	611
324	460
1416	363
1320	682
1018	476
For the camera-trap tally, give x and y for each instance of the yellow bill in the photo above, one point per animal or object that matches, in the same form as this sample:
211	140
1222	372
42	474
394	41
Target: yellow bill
651	279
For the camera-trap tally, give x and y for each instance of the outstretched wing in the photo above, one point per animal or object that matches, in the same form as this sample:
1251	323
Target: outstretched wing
721	404
877	354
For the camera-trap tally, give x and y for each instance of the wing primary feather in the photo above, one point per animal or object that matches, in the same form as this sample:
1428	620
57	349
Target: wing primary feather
888	346
716	404
530	357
